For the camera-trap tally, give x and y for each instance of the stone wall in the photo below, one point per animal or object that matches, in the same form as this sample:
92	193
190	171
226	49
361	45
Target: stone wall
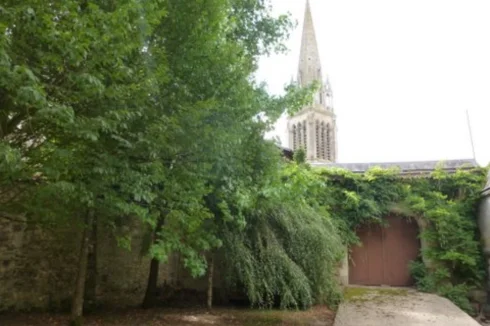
484	225
38	267
121	273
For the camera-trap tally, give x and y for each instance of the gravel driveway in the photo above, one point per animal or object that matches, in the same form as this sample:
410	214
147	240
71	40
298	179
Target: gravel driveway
398	307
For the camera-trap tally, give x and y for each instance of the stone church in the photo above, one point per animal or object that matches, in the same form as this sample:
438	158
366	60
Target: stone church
314	128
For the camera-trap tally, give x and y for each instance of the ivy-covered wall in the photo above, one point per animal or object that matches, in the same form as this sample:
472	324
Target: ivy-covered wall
445	205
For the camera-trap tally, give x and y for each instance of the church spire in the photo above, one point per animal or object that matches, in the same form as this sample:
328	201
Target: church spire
313	128
310	68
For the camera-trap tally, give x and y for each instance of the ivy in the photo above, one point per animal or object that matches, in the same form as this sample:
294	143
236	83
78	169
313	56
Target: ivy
447	204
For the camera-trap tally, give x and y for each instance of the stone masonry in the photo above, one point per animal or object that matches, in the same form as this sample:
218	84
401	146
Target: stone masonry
38	267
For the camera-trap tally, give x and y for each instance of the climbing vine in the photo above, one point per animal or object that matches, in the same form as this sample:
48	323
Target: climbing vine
452	263
445	207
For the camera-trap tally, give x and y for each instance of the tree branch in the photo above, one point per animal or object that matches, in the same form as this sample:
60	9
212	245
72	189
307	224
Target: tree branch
13	217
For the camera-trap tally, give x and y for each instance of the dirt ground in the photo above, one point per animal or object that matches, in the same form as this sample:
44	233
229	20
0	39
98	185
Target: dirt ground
317	316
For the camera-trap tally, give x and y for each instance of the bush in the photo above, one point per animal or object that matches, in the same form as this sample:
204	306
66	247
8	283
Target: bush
287	250
458	294
286	257
436	282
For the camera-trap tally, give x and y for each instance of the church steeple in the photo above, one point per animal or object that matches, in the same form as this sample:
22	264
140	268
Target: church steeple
310	68
314	127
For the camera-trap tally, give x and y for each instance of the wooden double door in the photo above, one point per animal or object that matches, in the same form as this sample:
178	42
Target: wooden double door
385	253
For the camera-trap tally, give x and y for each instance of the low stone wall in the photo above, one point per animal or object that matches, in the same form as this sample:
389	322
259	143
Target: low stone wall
38	267
122	274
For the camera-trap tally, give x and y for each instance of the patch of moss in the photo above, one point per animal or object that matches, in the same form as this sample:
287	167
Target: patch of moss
362	294
283	317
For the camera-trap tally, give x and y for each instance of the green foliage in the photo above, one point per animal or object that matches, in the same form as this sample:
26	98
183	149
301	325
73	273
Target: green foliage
300	156
436	282
288	251
427	281
284	217
457	293
446	203
148	110
355	199
124	108
139	110
449	204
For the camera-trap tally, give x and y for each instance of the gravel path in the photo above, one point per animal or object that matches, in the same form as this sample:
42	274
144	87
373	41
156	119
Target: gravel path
386	307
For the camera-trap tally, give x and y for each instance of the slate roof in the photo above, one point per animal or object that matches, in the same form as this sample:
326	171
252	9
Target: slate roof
407	168
286	152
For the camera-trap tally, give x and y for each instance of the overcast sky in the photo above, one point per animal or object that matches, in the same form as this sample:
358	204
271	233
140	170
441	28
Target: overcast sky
403	74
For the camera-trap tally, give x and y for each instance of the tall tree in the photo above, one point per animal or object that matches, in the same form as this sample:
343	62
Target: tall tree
133	109
211	104
74	89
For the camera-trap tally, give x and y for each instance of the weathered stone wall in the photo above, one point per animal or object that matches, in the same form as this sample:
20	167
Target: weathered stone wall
121	273
38	267
484	225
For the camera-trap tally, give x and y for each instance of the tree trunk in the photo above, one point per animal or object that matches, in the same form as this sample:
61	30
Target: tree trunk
77	303
210	281
91	282
151	287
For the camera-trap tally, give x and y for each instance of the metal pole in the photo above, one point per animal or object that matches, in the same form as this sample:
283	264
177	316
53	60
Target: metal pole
471	134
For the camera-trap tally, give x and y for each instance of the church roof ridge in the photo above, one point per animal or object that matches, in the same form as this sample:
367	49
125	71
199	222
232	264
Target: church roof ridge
405	166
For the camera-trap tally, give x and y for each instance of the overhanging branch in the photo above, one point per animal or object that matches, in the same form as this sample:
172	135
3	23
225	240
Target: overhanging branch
12	217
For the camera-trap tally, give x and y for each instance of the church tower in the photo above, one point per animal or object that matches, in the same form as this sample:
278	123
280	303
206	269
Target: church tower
314	127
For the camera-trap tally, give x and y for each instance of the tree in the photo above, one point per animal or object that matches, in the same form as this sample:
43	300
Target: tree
279	245
74	92
130	110
210	104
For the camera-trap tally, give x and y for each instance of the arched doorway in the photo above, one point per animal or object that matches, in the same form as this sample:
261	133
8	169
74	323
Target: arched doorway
385	253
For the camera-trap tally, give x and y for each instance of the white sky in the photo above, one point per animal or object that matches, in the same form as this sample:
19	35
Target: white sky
403	72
